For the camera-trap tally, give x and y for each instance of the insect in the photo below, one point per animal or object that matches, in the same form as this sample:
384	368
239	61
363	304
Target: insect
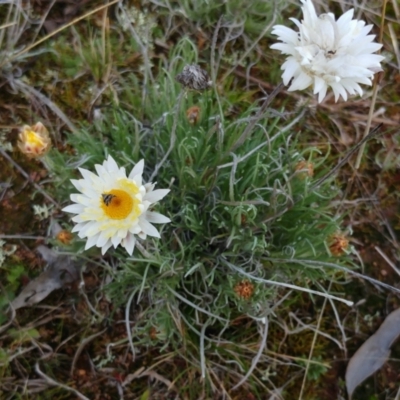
107	198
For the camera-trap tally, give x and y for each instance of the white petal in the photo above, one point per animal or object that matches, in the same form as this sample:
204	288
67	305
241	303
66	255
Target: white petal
142	235
105	247
137	169
156	218
156	195
110	164
102	239
115	241
74	208
129	244
301	82
292	68
87	175
91	242
148	228
77	184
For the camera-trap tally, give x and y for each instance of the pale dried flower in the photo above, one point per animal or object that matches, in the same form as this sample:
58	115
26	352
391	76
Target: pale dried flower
193	77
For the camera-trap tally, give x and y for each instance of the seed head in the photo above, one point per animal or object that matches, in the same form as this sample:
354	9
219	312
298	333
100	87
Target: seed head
193	77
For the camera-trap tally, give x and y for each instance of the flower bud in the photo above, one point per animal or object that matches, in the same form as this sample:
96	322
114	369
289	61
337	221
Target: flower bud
34	141
64	237
338	244
304	169
244	289
193	115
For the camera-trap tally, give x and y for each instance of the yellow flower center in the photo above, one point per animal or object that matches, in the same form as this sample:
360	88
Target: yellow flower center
34	139
119	204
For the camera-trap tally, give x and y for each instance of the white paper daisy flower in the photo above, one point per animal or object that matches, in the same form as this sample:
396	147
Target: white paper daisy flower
328	53
112	208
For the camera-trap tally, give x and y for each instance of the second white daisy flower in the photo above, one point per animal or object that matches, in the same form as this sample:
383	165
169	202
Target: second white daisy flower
112	208
328	53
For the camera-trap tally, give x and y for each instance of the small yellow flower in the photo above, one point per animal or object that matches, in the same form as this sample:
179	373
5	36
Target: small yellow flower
34	141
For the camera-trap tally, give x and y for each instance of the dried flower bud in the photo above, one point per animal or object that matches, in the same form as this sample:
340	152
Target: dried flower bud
153	333
193	77
306	168
34	141
338	244
193	115
244	289
64	237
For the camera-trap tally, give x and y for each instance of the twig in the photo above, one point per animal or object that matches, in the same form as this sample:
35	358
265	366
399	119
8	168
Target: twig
127	324
257	356
313	345
330	265
80	348
24	174
195	306
346	158
52	382
384	256
13	313
23	237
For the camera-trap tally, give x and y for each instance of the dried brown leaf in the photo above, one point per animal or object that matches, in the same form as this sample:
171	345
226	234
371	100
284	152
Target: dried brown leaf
373	353
61	271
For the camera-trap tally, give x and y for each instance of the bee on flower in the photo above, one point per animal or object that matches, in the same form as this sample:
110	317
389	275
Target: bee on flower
34	141
328	53
112	208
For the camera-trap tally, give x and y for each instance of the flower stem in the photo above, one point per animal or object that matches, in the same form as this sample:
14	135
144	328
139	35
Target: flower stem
173	136
258	116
